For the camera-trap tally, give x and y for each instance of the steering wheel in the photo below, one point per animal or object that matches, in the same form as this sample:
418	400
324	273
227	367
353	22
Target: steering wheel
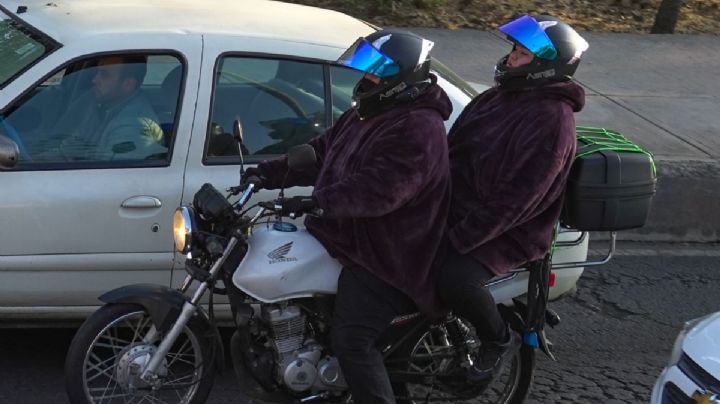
13	135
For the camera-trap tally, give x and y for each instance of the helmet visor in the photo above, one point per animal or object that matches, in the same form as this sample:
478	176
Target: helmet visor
366	58
530	34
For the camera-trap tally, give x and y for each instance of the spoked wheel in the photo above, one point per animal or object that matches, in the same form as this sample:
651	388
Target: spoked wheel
110	350
433	354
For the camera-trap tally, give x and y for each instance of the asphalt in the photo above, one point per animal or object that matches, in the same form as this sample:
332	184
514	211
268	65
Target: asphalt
661	91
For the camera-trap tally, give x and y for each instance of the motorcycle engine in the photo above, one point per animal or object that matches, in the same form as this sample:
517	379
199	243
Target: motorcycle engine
301	365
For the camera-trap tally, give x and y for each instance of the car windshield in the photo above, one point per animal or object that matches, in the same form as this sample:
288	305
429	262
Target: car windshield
20	47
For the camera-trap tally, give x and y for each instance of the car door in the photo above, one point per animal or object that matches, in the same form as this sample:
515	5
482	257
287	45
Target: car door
89	206
274	88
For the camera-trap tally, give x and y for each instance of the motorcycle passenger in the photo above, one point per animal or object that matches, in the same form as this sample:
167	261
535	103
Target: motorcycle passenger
510	155
383	184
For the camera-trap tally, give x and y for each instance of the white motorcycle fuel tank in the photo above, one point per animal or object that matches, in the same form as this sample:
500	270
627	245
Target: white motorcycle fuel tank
284	262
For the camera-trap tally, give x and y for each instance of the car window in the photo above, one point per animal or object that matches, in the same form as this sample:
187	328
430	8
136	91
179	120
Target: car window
159	69
99	111
280	103
342	83
20	47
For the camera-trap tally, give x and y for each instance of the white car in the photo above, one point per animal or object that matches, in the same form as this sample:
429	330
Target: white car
89	206
693	373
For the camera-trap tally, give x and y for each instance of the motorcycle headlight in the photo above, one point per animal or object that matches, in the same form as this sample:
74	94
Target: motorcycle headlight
183	228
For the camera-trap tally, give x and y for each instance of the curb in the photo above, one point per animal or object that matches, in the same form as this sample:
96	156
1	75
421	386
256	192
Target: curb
686	207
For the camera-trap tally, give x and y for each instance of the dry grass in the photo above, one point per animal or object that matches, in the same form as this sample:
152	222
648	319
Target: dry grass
637	16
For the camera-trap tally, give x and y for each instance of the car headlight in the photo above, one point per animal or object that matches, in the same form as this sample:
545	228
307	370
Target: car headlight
183	228
677	350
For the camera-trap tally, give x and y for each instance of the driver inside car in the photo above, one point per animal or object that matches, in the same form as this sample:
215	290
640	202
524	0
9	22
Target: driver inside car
382	182
113	120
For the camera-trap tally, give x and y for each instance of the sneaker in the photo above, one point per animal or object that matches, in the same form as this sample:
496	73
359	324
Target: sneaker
492	357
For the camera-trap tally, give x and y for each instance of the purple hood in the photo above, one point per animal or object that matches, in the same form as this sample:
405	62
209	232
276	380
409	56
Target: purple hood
510	155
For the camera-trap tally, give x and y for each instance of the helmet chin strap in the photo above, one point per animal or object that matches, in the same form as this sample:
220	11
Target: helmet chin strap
414	91
376	104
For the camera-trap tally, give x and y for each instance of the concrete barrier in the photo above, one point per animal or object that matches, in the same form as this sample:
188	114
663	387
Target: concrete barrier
686	207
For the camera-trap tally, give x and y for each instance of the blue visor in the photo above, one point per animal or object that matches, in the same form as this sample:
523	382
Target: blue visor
529	33
366	58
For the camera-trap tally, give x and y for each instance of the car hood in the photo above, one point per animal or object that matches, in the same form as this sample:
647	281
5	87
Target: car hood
702	344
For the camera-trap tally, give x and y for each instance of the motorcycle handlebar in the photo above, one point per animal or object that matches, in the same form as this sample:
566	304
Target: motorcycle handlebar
312	212
276	206
253	181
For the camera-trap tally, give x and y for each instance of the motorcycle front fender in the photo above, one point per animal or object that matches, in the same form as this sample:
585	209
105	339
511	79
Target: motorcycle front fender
164	305
161	302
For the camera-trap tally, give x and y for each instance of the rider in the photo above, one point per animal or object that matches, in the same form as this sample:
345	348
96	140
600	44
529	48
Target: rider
510	154
383	184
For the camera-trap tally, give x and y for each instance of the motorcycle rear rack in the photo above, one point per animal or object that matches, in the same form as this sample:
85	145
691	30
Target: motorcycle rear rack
594	263
579	240
611	252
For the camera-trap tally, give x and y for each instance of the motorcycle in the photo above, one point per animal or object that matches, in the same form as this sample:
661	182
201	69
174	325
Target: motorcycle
160	345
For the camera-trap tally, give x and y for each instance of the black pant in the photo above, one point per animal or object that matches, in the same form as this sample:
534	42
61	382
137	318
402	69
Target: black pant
364	307
462	287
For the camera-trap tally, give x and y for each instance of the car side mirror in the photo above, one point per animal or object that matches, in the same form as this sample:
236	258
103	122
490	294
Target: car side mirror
9	152
301	157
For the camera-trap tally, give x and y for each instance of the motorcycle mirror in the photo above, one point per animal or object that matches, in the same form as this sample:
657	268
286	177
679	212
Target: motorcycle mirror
9	153
238	136
301	157
238	131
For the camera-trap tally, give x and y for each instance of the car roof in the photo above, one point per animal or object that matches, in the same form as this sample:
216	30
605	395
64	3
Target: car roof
71	20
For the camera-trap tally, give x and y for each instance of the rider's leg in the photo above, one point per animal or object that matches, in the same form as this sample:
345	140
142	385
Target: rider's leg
462	287
364	307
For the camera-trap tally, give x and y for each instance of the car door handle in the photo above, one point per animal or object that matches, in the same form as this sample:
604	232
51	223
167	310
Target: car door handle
141	201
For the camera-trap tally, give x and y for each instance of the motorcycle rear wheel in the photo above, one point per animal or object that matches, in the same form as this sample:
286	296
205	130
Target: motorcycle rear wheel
104	358
511	387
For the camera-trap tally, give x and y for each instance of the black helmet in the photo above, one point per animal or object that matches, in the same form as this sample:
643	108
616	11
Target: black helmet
401	61
556	45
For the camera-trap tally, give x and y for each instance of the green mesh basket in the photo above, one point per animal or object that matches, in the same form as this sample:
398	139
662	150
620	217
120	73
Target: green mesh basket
594	140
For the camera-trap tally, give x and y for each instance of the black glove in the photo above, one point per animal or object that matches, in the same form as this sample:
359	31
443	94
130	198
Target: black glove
298	205
252	175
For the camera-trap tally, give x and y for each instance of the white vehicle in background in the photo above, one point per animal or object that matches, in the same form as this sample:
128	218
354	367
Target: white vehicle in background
693	372
84	225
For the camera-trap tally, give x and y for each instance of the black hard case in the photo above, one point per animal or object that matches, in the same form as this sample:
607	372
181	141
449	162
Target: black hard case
608	190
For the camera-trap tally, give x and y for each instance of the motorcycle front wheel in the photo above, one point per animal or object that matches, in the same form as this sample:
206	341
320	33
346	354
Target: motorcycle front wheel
110	349
432	354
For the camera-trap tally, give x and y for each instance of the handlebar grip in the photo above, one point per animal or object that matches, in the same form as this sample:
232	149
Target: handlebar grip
254	179
270	205
317	212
